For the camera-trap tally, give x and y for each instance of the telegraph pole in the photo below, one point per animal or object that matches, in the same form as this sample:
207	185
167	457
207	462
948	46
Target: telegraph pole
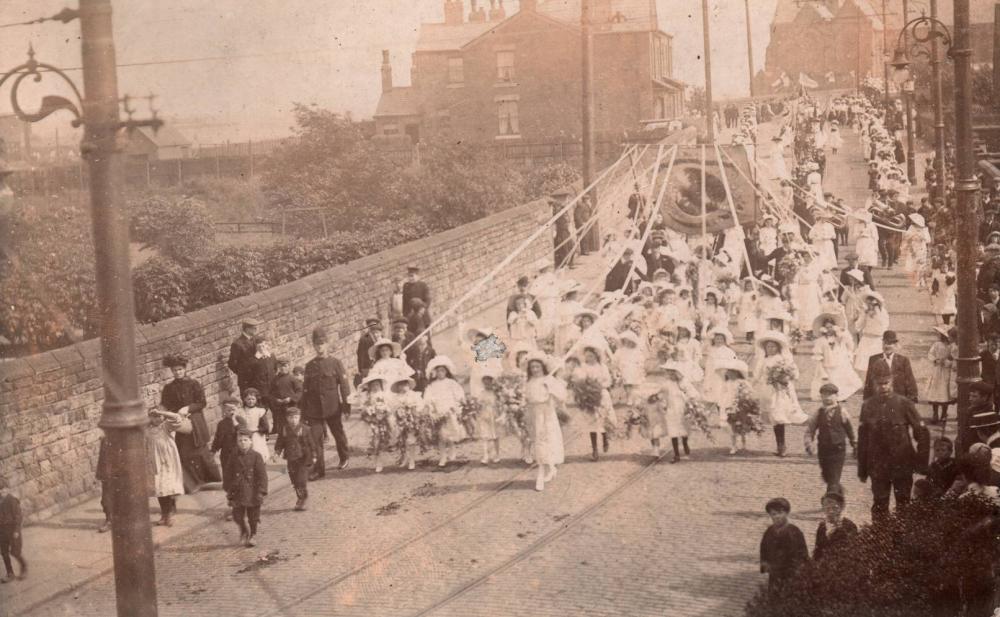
588	116
885	61
911	164
939	154
709	106
749	46
967	189
123	416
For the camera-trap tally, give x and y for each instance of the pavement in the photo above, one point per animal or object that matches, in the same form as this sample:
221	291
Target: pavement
628	535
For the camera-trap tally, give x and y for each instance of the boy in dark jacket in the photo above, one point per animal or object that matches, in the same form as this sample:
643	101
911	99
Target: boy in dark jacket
285	393
10	533
832	429
783	548
224	441
247	486
944	469
299	449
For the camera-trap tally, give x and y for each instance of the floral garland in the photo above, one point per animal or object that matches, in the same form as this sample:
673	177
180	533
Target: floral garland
744	415
471	406
408	421
636	418
781	375
696	415
511	403
375	413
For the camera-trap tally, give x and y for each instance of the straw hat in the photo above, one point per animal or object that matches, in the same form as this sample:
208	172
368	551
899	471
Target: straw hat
874	295
373	377
441	360
918	220
725	333
473	332
943	331
775	337
628	335
551	364
686	324
674	365
383	342
584	311
822	318
733	365
784	316
857	275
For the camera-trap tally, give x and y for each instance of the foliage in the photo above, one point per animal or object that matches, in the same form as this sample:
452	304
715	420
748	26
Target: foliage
921	563
161	289
180	230
46	274
230	273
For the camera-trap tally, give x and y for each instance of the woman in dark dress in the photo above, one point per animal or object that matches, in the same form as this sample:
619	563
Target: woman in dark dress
185	396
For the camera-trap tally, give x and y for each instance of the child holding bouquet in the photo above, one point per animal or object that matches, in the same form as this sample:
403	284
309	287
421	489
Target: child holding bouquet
738	403
511	409
631	362
779	373
675	398
375	413
443	398
717	351
590	383
487	419
405	404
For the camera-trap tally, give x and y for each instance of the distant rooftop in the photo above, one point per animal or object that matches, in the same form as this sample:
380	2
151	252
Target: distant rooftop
397	102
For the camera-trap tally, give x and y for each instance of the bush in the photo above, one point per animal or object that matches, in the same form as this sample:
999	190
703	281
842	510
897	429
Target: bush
181	230
161	290
228	274
929	560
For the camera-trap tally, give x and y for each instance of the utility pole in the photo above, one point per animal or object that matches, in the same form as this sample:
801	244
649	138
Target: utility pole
939	154
885	61
594	235
907	88
123	416
749	45
967	190
709	106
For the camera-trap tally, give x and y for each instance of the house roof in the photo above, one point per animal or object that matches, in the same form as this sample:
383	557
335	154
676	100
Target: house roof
397	102
608	15
166	137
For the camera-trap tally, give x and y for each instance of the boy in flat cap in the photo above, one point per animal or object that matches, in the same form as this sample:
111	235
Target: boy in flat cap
371	333
325	393
296	444
783	548
414	288
242	352
833	431
247	486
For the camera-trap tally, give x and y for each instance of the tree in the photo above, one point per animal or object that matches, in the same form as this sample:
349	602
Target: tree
180	230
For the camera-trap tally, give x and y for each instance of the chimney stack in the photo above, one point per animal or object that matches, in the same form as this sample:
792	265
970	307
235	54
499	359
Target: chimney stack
386	71
497	12
453	12
476	13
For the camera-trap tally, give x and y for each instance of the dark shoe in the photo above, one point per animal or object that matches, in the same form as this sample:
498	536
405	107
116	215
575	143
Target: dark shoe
676	459
168	521
105	526
7	579
300	504
594	455
344	464
314	476
250	542
244	538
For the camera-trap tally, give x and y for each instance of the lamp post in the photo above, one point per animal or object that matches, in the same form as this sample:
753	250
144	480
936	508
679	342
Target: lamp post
123	415
966	187
709	105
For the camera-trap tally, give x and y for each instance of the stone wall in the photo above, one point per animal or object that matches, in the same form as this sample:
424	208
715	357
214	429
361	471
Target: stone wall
50	403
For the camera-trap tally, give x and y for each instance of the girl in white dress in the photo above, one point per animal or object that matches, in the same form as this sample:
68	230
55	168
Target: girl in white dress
257	420
630	358
604	416
914	248
779	374
806	294
673	398
870	325
566	330
477	367
523	323
767	235
866	247
834	353
688	352
717	352
713	314
822	236
488	429
443	397
165	462
943	289
940	391
834	140
543	393
735	388
406	405
372	394
746	314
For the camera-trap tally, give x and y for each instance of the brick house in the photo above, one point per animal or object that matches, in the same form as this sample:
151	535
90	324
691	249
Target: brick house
516	78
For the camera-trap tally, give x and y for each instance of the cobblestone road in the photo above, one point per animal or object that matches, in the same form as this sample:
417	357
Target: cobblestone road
629	535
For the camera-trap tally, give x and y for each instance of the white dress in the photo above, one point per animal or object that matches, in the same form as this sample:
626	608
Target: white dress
940	382
714	384
631	363
784	405
866	247
252	416
605	415
835	141
746	316
523	327
870	328
806	296
834	364
167	476
915	241
444	398
566	330
943	302
673	398
822	237
767	240
542	394
689	354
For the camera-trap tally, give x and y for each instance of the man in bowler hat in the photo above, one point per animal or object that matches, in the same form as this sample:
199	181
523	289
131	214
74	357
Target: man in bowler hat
898	366
888	427
324	401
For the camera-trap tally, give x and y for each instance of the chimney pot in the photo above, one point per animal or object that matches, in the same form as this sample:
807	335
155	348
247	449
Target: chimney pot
386	71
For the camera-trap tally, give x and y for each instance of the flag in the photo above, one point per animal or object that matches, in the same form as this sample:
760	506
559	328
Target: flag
806	82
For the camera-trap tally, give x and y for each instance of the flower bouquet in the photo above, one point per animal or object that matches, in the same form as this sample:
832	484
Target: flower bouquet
511	404
781	375
587	394
408	421
636	418
430	424
795	336
696	416
375	413
471	406
744	415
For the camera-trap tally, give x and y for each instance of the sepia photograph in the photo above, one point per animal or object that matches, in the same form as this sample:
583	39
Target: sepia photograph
500	308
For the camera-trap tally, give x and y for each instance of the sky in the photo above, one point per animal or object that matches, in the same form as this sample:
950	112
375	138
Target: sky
260	57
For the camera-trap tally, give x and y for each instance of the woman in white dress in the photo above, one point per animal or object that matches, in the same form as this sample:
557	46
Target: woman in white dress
543	393
778	373
866	247
834	353
870	325
805	290
822	236
443	398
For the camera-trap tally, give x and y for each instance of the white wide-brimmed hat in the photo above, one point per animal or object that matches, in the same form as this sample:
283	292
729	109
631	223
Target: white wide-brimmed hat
918	220
725	333
384	342
822	318
474	331
441	360
551	364
774	337
733	364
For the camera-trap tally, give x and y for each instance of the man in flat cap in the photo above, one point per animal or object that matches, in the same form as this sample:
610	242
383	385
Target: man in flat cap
371	333
324	401
898	365
888	427
242	352
415	288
